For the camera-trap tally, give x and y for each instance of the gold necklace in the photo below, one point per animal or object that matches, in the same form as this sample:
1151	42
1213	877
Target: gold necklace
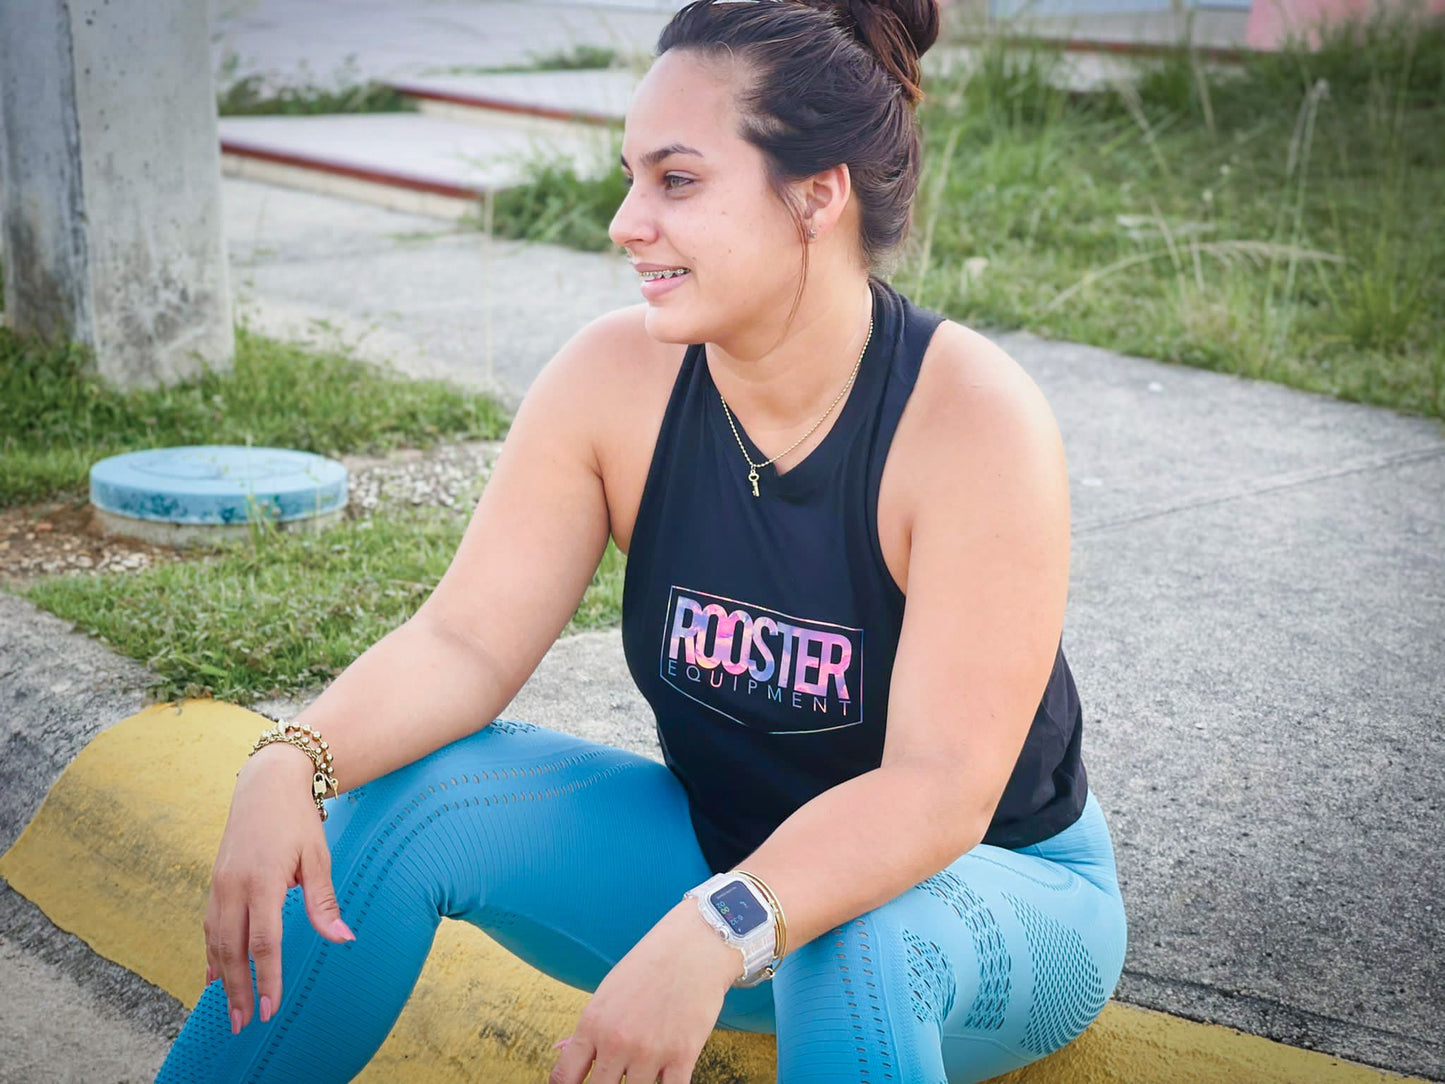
753	467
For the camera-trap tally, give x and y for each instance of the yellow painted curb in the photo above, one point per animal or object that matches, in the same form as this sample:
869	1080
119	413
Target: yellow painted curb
120	854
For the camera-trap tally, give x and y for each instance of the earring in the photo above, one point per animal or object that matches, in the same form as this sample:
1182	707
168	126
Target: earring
812	233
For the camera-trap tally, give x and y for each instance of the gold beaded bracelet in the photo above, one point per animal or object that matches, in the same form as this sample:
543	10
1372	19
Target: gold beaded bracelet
300	736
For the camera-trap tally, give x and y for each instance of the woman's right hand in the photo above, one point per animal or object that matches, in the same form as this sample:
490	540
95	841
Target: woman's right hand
274	839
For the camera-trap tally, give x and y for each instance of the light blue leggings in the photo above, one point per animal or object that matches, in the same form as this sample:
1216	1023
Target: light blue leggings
995	961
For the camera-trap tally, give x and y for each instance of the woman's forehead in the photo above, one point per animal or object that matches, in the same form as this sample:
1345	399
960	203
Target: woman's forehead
683	104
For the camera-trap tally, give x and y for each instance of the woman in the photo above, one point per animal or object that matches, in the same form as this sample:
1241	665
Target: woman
786	448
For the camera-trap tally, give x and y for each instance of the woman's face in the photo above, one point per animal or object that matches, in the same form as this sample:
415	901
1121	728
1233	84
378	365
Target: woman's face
711	212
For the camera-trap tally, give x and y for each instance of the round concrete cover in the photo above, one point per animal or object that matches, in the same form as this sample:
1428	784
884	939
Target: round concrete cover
210	483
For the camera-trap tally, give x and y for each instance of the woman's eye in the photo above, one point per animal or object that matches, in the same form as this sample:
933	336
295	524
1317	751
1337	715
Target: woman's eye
627	181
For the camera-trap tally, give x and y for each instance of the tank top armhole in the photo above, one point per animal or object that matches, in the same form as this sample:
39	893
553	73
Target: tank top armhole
642	522
919	326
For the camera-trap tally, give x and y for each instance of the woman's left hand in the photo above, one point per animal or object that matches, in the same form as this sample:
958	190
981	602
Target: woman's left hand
654	1011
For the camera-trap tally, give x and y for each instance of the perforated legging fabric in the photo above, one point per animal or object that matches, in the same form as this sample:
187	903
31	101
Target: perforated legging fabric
995	961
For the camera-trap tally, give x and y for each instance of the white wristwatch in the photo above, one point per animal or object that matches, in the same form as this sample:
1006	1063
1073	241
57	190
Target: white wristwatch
734	908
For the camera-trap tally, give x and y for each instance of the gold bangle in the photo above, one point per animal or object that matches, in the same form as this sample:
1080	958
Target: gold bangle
780	923
322	779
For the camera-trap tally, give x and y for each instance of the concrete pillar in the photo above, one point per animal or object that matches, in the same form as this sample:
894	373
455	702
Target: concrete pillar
110	199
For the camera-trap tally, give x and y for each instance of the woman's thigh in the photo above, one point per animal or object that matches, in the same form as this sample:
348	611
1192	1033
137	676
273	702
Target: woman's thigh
993	962
563	850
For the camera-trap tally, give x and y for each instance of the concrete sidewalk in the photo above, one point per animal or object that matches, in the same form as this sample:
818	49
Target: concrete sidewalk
289	42
1256	623
425	295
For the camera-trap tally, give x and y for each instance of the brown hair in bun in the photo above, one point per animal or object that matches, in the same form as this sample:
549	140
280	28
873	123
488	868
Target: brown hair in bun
825	82
898	32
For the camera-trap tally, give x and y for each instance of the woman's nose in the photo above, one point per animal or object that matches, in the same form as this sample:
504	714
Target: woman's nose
629	222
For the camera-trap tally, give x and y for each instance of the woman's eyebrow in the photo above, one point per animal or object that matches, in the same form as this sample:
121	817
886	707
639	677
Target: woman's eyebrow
651	158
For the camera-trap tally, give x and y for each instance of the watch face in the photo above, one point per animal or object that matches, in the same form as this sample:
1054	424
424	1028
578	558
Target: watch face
737	904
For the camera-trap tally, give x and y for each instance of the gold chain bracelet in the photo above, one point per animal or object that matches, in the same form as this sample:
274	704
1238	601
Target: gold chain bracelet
300	736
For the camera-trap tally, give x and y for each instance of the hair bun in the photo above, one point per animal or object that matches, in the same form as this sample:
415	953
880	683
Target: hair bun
899	32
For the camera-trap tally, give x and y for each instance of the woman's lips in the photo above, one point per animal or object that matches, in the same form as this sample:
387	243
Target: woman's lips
657	287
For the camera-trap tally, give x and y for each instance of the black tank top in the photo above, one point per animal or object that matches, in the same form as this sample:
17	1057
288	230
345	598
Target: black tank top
762	630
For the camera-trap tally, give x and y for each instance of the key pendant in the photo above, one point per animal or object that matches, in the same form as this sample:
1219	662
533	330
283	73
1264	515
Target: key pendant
753	478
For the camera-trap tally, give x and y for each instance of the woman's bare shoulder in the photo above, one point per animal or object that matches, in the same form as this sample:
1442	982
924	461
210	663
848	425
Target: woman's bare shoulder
971	402
624	392
623	353
966	377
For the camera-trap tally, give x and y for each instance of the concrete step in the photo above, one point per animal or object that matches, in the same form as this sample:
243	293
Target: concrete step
405	161
597	96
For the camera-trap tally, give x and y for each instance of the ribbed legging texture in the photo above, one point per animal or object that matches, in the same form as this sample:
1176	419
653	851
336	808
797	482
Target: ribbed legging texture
567	851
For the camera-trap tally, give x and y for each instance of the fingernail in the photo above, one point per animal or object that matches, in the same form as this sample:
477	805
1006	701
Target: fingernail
235	1021
341	929
564	1042
265	1009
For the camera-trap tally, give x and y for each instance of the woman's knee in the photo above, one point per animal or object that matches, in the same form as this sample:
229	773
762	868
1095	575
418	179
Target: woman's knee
1050	949
443	800
484	806
504	749
972	953
871	993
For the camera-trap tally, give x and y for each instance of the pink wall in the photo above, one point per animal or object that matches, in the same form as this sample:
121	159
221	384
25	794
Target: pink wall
1269	20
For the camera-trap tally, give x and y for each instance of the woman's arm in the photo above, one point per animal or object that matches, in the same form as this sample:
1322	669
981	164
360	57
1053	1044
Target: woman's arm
526	558
987	584
416	689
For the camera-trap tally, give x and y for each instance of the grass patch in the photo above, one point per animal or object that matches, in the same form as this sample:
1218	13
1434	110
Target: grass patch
557	204
57	418
279	613
252	95
282	614
1279	218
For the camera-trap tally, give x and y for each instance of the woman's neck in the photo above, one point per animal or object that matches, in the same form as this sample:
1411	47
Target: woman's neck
776	391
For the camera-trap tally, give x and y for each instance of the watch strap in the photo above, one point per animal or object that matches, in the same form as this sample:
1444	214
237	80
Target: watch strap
757	948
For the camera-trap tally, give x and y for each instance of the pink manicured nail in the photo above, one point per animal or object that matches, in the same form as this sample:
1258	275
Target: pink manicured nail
341	929
564	1042
265	1009
235	1021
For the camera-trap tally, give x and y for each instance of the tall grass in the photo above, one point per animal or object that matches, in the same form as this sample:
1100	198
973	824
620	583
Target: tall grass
1280	219
558	203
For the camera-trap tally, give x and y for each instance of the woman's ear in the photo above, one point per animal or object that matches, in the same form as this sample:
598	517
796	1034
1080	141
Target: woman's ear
825	195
